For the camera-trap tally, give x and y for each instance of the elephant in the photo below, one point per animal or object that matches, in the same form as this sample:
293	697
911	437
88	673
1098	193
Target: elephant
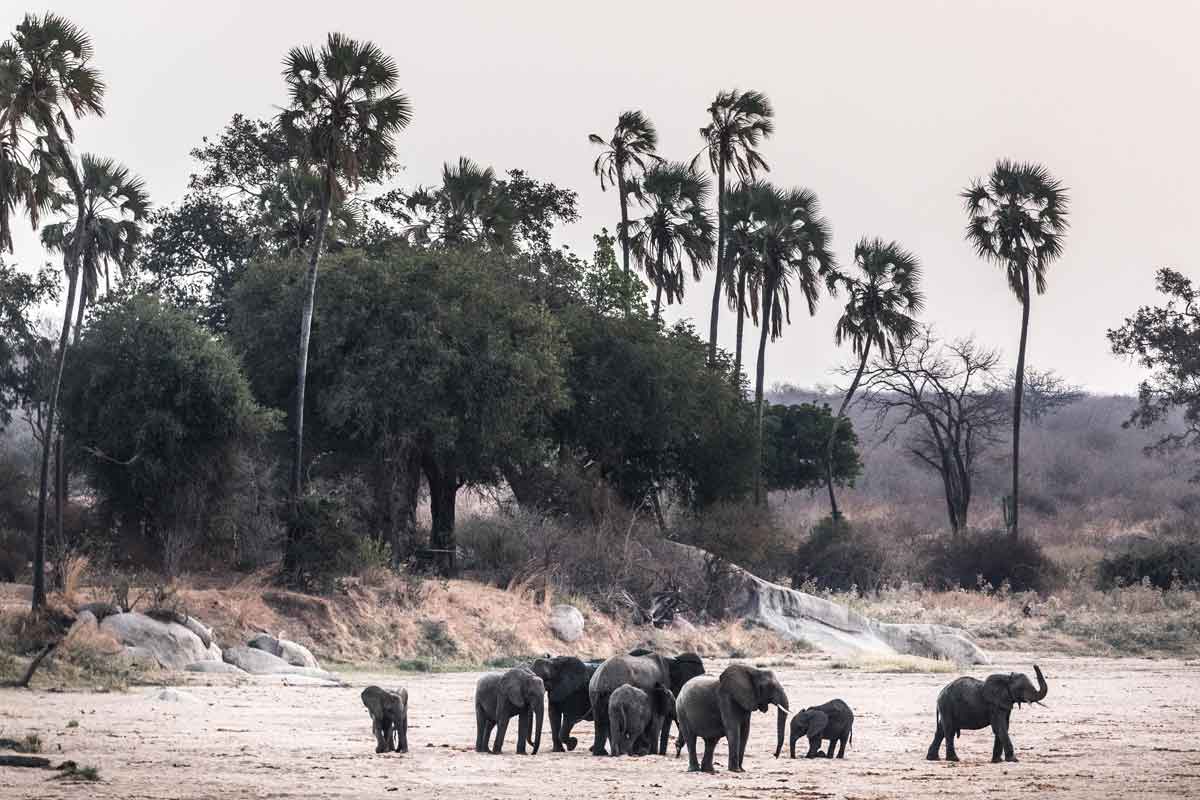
645	672
499	696
684	667
713	707
636	717
566	680
969	704
833	721
389	718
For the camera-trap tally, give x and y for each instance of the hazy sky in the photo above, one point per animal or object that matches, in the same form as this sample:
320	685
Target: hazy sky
885	109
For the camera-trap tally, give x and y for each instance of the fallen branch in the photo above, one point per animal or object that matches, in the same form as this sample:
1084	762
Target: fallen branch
34	762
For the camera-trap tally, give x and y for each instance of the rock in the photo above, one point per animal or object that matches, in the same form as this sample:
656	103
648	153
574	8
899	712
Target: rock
169	695
566	622
682	625
214	667
260	662
200	629
172	645
140	658
99	610
295	654
85	621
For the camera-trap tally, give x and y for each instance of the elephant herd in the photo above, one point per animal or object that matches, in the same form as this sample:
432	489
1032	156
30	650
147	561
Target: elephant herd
633	699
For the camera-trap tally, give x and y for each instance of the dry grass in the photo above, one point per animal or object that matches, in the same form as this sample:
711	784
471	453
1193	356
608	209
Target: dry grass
899	664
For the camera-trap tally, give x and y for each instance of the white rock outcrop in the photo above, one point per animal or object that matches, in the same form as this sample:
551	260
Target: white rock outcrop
170	644
566	622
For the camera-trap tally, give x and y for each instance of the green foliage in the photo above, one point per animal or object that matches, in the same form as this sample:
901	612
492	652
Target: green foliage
157	410
838	555
795	448
21	347
324	544
1165	564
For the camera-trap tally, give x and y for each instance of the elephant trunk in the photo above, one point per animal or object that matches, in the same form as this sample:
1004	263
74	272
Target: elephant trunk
1042	687
780	700
540	711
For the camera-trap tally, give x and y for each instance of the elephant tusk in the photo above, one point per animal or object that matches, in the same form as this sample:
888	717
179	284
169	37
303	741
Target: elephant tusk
784	709
1040	703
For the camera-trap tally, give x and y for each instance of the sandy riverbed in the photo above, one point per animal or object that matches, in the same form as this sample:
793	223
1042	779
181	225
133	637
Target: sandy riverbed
1114	728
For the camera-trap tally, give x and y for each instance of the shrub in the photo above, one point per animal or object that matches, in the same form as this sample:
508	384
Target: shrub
839	556
1165	563
323	545
496	548
990	559
751	536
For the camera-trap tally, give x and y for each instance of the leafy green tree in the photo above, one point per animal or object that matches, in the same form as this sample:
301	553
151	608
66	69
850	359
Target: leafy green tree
793	242
343	115
626	155
425	360
21	294
739	121
159	408
676	228
1018	219
796	455
883	299
46	80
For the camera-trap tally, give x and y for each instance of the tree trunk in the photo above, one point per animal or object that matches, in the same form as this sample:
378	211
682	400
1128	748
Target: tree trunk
443	493
741	323
624	232
837	421
657	303
760	496
1018	392
720	262
397	479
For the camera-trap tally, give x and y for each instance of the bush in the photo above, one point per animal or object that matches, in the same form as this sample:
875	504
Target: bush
1165	563
496	549
990	559
324	544
839	556
745	534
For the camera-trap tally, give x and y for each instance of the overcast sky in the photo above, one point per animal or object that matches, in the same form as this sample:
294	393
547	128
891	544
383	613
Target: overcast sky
885	109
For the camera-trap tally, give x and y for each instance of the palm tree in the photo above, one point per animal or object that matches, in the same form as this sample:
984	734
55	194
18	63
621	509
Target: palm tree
793	243
882	302
45	81
740	121
742	268
467	207
677	228
343	115
291	207
1018	219
627	153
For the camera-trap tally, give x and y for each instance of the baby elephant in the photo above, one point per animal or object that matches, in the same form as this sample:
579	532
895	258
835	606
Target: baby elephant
833	721
636	718
389	718
500	696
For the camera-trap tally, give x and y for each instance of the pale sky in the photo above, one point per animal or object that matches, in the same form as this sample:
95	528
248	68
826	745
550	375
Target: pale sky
885	109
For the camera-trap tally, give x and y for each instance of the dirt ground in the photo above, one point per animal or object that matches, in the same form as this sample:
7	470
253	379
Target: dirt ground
1114	728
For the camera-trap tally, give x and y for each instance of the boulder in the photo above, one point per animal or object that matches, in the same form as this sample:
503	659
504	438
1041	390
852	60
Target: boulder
99	610
200	629
295	654
566	622
172	645
86	622
215	667
260	662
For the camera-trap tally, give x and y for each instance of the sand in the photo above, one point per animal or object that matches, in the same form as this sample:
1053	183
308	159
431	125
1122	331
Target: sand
1114	728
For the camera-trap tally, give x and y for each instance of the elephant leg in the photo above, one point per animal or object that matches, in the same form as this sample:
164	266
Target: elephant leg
814	747
483	729
380	740
841	748
656	736
733	738
1009	755
501	730
710	749
951	753
600	713
693	763
556	719
933	754
524	725
402	731
792	744
832	745
565	736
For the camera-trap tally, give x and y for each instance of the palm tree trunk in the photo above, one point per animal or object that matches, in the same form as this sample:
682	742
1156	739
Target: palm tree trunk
720	269
310	294
760	497
741	323
1018	393
624	233
837	422
658	279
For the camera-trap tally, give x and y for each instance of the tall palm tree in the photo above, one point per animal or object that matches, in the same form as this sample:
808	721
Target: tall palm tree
626	155
467	207
1018	219
742	268
46	80
343	115
739	123
793	242
676	228
883	301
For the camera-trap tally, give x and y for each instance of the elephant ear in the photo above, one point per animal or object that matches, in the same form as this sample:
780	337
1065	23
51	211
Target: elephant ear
569	676
512	685
737	683
817	720
997	691
684	667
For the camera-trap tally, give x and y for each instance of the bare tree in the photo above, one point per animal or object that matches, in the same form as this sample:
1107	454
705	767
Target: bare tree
946	399
1045	393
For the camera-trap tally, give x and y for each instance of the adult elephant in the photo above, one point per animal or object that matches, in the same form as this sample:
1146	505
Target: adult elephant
710	708
969	704
683	668
566	679
648	672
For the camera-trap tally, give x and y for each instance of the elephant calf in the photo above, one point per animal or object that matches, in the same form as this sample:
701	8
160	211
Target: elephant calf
500	696
969	704
635	718
833	721
389	718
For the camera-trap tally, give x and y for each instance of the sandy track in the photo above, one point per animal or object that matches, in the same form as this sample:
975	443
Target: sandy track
1115	728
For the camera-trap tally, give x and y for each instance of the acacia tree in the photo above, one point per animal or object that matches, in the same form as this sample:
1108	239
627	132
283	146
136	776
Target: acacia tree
947	394
46	79
676	228
739	121
1018	219
343	115
793	241
883	299
626	155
